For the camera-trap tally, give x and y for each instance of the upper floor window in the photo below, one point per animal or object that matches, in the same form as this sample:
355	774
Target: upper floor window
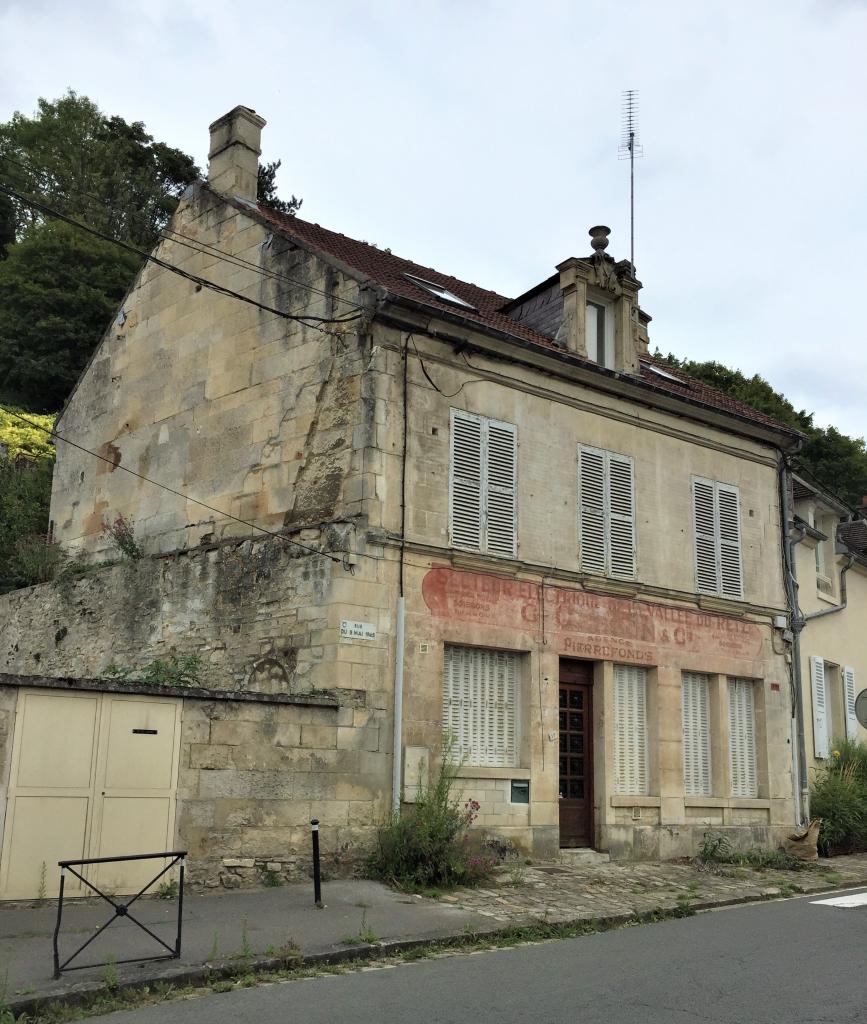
606	513
600	334
824	554
483	484
717	521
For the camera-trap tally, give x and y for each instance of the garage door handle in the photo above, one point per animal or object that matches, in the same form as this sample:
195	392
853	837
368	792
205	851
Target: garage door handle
144	732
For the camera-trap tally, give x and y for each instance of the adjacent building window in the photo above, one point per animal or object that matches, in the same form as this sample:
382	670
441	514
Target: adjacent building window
483	482
600	334
697	776
717	521
631	773
742	738
606	513
821	738
824	555
824	682
480	705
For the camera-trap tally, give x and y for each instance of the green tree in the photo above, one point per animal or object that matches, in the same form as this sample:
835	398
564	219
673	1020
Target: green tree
59	289
267	190
25	495
835	461
103	170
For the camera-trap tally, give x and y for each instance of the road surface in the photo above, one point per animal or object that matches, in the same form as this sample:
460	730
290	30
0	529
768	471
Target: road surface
794	961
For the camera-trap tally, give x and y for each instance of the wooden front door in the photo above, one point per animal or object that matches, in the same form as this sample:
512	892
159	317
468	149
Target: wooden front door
576	753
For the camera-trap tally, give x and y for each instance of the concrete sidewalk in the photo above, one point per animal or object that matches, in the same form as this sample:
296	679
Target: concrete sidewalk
240	929
241	926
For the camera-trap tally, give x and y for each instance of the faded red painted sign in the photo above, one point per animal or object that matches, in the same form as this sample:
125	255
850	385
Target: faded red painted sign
588	625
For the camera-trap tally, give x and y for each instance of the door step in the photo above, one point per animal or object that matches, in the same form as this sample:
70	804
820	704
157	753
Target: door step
583	856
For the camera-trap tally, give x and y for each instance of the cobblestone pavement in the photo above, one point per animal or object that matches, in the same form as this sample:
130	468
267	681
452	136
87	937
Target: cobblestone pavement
558	892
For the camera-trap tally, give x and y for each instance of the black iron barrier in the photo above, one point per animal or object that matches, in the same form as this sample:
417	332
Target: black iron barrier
317	872
120	909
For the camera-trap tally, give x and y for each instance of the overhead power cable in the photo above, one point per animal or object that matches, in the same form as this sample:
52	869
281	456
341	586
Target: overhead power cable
309	320
197	245
180	494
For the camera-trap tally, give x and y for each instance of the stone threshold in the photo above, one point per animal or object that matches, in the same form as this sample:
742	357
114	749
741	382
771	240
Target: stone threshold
107	685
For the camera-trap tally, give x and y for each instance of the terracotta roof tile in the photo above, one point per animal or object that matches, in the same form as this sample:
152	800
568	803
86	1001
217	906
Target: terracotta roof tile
387	270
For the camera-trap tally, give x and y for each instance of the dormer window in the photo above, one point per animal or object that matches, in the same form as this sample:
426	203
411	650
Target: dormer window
600	334
437	290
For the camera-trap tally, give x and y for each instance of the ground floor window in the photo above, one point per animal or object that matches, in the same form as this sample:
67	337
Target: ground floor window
631	773
697	776
742	738
480	705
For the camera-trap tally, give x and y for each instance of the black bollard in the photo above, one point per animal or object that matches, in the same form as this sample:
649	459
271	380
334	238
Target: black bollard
317	876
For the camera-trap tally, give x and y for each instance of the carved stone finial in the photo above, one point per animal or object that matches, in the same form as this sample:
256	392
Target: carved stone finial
599	237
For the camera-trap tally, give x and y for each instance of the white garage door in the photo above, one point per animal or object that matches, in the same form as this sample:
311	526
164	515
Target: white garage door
92	775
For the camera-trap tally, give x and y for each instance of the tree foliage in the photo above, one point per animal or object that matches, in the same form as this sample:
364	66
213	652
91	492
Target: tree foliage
59	289
835	461
18	440
25	495
103	170
267	190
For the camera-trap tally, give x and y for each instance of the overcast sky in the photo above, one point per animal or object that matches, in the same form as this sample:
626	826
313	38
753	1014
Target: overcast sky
481	138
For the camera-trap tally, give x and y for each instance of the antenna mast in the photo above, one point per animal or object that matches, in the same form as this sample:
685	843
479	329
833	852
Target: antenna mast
630	148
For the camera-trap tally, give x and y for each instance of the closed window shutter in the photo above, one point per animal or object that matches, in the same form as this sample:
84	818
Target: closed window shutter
820	707
729	511
704	518
591	504
621	510
696	735
849	695
466	481
480	691
742	738
630	731
501	471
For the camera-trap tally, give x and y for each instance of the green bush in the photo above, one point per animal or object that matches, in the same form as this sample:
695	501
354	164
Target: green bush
839	798
25	493
426	846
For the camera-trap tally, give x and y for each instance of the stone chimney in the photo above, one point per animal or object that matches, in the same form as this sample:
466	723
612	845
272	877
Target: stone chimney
233	158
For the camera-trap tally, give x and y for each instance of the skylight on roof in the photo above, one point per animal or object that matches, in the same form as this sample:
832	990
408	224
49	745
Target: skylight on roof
664	373
439	292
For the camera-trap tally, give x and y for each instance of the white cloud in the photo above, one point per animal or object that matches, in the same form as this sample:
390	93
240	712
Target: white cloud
481	138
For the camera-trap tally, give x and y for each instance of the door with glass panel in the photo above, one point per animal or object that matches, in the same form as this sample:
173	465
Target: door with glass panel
576	755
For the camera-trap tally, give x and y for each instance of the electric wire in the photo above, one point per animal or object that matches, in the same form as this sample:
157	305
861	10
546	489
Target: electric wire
197	245
344	562
307	319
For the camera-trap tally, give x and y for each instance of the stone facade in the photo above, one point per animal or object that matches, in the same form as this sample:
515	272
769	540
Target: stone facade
335	434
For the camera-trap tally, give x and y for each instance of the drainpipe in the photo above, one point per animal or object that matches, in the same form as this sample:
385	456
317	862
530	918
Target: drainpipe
400	637
844	597
799	751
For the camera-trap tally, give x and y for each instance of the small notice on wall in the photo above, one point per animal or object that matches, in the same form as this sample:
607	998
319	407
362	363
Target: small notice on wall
357	630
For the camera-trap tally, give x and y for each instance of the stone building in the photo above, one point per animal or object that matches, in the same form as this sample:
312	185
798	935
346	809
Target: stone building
362	484
828	554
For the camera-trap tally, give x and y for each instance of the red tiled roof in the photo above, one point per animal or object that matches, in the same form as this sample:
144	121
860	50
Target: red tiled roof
388	271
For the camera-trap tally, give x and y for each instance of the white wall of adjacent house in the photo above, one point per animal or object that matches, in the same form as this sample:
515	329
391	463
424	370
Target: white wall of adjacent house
833	647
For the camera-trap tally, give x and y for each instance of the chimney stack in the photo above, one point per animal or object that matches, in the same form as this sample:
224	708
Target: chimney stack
233	157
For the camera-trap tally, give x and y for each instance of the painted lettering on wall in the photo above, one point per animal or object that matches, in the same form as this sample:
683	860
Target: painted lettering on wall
589	625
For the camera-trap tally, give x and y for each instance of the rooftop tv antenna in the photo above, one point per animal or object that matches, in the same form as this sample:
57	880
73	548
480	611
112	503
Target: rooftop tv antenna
630	148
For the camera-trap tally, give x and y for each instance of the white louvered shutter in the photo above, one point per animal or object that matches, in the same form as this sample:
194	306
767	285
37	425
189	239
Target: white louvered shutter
821	740
621	516
697	779
742	738
501	471
591	505
466	481
704	519
849	696
480	691
630	731
729	524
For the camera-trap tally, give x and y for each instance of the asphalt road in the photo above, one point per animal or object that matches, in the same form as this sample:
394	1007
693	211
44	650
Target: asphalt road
790	961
